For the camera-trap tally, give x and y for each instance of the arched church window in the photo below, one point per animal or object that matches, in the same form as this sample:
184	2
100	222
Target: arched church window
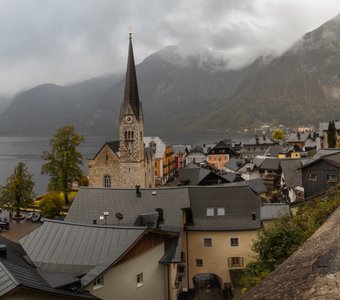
132	134
126	135
107	181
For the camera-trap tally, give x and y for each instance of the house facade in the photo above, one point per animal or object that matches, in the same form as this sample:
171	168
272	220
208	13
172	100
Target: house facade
128	162
220	154
321	172
322	141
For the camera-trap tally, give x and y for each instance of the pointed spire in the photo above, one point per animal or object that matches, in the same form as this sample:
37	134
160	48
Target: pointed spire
131	88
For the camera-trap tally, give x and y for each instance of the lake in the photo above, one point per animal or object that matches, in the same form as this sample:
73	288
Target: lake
14	149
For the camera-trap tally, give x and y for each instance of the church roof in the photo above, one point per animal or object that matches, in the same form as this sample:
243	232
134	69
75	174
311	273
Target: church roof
131	88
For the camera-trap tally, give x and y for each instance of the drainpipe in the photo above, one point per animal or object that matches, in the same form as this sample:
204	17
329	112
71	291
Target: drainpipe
186	235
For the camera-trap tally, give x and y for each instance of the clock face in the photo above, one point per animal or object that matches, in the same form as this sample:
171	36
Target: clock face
128	119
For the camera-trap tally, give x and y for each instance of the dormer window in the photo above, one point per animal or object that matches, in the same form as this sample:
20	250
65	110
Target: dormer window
221	211
210	212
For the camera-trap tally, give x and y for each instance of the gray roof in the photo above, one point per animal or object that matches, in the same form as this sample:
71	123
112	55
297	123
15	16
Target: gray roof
257	185
320	154
261	141
15	271
90	203
271	211
78	249
239	201
270	164
234	164
291	170
293	137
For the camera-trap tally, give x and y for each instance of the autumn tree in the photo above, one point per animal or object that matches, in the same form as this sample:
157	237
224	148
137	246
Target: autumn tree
18	192
278	134
51	205
331	135
63	161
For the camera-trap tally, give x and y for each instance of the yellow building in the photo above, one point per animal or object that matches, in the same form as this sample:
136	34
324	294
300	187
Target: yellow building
164	159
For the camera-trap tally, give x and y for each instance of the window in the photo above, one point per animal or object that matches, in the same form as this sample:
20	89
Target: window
132	134
253	216
312	177
182	257
207	242
221	211
234	242
235	261
126	135
181	269
107	181
140	280
210	212
332	178
98	283
199	262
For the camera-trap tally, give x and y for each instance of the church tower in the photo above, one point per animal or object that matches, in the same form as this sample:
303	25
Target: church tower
131	129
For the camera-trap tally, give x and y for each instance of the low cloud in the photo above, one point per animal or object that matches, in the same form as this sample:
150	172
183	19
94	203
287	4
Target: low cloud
64	41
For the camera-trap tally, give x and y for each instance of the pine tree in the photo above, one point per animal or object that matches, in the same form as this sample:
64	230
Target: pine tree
331	135
18	192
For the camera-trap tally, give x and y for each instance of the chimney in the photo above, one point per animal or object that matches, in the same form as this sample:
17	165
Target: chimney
160	216
3	251
138	192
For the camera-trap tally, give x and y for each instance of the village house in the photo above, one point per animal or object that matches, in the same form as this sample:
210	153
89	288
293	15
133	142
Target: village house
216	225
291	180
108	262
220	154
196	155
301	141
181	152
321	172
253	147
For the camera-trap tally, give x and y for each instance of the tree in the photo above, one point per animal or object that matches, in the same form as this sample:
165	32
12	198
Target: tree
63	161
51	205
18	192
331	135
278	134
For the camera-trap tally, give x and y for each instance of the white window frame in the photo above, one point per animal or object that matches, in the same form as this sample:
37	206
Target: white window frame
98	283
210	211
220	211
140	279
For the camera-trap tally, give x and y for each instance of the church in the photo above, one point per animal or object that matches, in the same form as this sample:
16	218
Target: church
126	163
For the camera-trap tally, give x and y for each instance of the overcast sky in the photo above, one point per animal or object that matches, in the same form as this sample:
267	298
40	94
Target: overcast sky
63	41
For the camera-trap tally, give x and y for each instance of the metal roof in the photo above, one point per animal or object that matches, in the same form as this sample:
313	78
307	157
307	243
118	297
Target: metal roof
291	170
257	185
270	163
15	271
271	211
78	249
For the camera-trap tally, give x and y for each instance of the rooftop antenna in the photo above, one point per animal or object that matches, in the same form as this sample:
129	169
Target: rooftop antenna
119	217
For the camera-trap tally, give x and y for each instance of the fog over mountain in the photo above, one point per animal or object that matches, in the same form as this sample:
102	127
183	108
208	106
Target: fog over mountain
194	92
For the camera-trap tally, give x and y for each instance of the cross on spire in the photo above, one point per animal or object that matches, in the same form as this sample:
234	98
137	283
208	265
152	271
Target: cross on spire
130	31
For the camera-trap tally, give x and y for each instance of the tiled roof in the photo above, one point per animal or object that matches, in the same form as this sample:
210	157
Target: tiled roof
234	164
90	203
320	154
270	164
294	137
271	211
114	146
239	201
291	170
261	141
257	185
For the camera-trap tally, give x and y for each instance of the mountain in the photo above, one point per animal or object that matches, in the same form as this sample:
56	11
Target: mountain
183	92
175	90
299	87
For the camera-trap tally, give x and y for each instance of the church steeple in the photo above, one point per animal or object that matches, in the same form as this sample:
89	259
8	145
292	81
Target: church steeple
131	88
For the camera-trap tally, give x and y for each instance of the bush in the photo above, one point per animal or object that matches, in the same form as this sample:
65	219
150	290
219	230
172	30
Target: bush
276	243
51	205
